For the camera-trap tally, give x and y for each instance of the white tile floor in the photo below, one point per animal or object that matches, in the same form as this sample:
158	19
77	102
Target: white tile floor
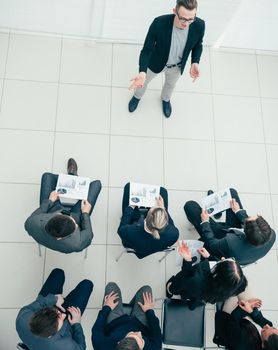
62	98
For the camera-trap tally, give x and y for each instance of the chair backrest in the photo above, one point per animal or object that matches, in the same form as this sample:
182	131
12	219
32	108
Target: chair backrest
182	326
21	346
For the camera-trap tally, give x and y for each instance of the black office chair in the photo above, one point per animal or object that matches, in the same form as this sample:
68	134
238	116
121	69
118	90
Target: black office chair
21	346
182	326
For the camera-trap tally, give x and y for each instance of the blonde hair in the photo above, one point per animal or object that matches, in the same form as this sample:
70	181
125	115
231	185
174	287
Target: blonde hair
156	220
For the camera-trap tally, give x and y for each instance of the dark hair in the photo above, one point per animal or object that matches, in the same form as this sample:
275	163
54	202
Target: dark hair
44	322
188	4
257	231
60	226
225	279
127	343
271	343
252	334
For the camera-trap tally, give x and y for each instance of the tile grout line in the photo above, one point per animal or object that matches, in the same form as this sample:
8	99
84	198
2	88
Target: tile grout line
4	75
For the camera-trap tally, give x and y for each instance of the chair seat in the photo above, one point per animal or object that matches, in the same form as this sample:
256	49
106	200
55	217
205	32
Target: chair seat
21	346
182	326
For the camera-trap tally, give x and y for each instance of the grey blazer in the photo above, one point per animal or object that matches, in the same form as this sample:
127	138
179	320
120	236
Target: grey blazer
67	338
77	241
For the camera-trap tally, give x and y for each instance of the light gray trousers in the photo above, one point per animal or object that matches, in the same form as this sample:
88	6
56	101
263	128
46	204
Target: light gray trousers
171	77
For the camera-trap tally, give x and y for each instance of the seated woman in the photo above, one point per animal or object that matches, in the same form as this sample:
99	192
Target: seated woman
200	283
234	331
149	233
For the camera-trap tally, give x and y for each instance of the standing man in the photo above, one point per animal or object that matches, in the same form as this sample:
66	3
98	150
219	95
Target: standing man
169	41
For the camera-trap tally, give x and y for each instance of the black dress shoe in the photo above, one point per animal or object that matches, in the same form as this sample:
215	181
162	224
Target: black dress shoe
72	167
167	108
133	103
218	215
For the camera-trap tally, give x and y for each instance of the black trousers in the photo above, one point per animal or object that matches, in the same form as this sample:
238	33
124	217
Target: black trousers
48	184
193	212
78	297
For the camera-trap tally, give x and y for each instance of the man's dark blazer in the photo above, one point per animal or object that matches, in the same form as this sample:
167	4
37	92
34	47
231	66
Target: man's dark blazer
133	235
155	52
75	242
235	244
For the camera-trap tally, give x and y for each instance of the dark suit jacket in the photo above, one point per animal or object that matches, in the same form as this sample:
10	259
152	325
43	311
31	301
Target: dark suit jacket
235	244
77	241
133	235
191	281
155	52
68	337
106	337
231	330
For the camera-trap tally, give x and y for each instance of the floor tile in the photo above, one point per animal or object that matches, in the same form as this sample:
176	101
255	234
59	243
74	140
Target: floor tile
185	162
137	153
203	83
39	58
187	109
262	286
1	90
23	148
77	268
4	40
114	214
242	68
99	218
29	105
86	62
237	165
149	271
23	276
238	119
145	121
90	152
9	337
23	199
122	72
210	328
83	108
274	200
268	68
269	108
272	154
88	319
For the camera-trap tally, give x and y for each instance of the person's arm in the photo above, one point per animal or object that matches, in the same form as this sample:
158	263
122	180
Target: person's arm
127	216
198	47
148	47
86	232
217	247
40	303
78	336
241	215
98	335
258	318
155	336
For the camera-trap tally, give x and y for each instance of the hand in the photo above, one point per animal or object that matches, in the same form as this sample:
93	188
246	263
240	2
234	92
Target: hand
109	300
60	301
132	206
54	196
246	306
184	251
234	205
255	303
160	201
203	252
75	315
85	206
204	215
138	81
148	302
194	71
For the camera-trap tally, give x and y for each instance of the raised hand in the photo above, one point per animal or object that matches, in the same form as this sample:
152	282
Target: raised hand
60	301
184	251
85	206
234	205
204	215
54	196
110	300
203	252
75	315
160	201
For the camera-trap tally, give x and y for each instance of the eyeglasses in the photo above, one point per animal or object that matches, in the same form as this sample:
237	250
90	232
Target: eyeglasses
185	20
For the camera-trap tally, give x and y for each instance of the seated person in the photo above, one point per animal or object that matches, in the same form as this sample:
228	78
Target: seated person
151	233
52	322
228	239
114	329
54	227
234	331
199	282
